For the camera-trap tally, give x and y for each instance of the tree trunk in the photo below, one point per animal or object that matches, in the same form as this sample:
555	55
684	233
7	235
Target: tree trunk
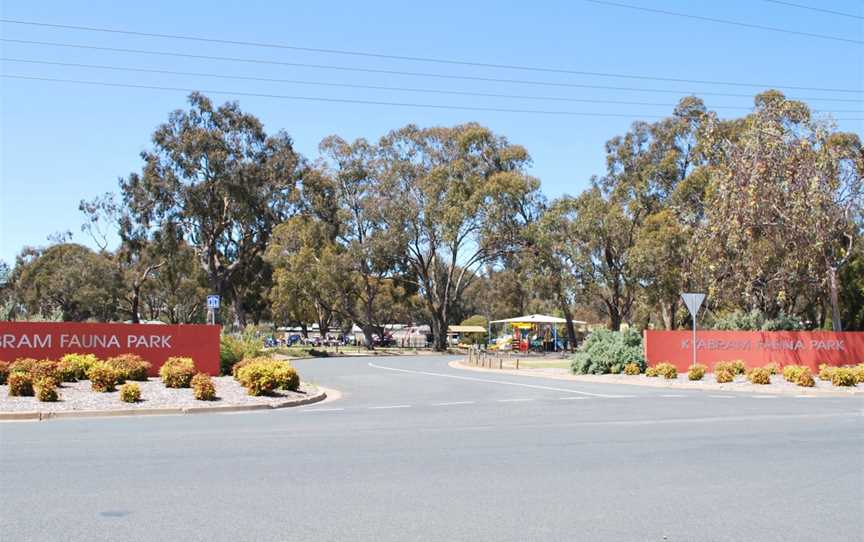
571	329
836	324
239	315
367	335
136	303
439	333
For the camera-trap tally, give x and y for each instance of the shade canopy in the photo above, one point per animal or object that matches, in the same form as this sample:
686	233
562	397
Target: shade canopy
466	329
535	319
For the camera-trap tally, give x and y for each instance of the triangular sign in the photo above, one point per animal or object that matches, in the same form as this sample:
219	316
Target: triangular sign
693	302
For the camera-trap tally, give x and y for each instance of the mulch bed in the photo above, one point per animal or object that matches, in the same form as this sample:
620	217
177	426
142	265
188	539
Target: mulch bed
79	396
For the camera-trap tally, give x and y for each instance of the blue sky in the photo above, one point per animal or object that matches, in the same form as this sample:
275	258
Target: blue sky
61	142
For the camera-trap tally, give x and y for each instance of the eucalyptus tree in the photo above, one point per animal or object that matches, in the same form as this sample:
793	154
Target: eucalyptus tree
458	197
216	173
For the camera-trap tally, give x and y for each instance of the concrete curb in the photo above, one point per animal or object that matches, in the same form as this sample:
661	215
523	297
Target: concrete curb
660	383
170	411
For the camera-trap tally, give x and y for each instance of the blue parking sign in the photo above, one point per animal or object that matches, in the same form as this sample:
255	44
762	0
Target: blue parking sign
212	301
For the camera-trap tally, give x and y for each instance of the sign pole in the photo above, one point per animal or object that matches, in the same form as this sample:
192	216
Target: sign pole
693	301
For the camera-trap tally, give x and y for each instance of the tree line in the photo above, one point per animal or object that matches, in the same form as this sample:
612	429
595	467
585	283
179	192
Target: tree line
433	225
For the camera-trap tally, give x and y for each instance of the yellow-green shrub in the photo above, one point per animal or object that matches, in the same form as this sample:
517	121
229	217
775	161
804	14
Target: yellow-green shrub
826	372
632	369
667	370
696	372
248	361
804	378
651	372
792	372
4	371
20	384
723	375
130	367
79	364
759	375
44	368
858	371
103	377
130	392
177	372
258	378
772	367
843	376
287	378
66	371
46	390
23	365
203	388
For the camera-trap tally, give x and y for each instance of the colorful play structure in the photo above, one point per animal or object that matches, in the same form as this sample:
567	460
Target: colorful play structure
531	332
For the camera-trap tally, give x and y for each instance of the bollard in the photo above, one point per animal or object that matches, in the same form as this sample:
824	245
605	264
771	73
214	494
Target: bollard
517	364
500	363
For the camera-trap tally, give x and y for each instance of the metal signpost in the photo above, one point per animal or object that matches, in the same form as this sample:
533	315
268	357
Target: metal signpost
212	307
693	302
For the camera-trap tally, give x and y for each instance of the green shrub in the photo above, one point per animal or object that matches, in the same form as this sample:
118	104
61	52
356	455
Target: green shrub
4	371
843	376
23	365
234	349
258	378
177	372
651	372
631	369
696	372
66	371
130	392
103	378
46	390
826	372
723	375
759	375
203	388
755	320
667	370
615	368
858	371
79	363
129	367
792	372
20	384
804	378
603	349
287	378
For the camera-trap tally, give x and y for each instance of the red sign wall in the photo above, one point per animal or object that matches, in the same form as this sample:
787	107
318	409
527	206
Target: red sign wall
153	342
755	348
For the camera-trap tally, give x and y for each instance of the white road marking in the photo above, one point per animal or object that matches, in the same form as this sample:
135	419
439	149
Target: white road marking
763	396
806	396
570	398
388	406
672	395
514	400
722	396
452	403
503	382
320	409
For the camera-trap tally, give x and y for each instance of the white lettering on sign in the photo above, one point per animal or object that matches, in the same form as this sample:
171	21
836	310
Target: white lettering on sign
148	341
8	340
773	344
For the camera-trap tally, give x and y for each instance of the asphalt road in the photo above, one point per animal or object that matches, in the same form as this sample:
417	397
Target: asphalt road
416	450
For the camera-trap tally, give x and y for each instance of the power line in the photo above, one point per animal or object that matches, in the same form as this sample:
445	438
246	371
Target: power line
727	22
812	8
406	73
372	87
345	100
409	58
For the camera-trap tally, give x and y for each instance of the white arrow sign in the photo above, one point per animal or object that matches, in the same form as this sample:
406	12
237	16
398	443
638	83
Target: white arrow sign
693	302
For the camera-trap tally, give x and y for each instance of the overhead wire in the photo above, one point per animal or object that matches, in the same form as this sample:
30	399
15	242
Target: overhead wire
814	8
369	54
410	73
373	87
343	100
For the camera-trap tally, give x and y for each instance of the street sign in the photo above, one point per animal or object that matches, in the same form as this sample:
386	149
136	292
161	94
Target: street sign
693	302
212	301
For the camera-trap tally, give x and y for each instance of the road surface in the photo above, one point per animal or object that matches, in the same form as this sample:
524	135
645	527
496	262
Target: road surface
416	450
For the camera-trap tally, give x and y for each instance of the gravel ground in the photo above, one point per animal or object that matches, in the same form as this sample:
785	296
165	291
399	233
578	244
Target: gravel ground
778	384
78	396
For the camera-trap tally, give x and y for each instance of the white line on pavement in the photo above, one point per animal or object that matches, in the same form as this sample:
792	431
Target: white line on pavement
514	400
452	403
806	396
672	395
388	406
320	409
570	398
503	382
763	396
722	396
